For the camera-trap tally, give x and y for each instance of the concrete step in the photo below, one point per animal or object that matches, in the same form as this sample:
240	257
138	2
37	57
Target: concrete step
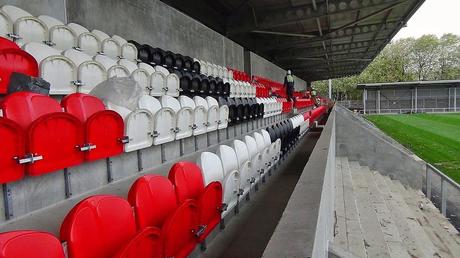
373	236
405	232
388	226
424	243
354	236
437	227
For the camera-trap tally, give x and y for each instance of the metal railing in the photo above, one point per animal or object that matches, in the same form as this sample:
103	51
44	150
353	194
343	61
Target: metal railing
410	110
444	193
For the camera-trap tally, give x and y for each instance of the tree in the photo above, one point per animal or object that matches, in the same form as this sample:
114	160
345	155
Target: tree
409	59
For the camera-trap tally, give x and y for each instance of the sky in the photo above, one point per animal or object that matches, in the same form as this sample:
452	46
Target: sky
433	17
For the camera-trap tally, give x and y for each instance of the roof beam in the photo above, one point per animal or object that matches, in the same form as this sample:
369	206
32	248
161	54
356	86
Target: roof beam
291	15
358	30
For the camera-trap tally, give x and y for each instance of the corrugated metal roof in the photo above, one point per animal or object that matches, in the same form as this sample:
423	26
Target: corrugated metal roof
317	39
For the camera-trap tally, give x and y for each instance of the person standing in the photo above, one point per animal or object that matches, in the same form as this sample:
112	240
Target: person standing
289	85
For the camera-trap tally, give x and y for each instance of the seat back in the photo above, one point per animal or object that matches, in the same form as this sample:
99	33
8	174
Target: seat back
98	226
165	124
118	71
139	126
104	129
187	179
6	24
158	84
111	48
40	51
172	85
26	107
60	72
242	155
147	243
77	28
89	43
211	167
129	51
213	113
91	73
142	77
231	185
223	117
38	245
15	60
6	43
30	29
154	199
76	56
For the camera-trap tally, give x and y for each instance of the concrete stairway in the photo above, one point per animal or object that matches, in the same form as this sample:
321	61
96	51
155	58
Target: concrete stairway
379	217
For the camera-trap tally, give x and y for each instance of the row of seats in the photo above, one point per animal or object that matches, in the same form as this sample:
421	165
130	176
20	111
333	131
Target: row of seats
171	214
23	28
156	122
41	135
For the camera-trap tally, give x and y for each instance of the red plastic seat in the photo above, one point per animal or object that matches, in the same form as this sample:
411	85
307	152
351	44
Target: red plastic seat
153	200
52	136
155	204
25	243
7	44
15	60
188	181
11	149
147	243
104	129
98	227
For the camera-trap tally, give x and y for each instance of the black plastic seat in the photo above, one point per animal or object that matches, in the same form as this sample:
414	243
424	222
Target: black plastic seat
179	62
196	67
169	59
204	87
145	53
226	89
185	83
232	111
195	85
212	86
188	63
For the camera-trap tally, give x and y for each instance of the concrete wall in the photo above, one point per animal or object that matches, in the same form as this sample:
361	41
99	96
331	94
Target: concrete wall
306	232
262	67
155	23
359	140
55	8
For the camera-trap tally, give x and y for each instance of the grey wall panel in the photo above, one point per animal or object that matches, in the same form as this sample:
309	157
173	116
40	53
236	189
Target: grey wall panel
88	176
154	22
55	8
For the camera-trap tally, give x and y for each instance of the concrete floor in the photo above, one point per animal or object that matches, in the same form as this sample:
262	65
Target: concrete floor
247	234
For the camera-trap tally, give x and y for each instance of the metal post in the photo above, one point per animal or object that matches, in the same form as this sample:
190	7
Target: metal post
378	101
67	184
428	183
330	89
416	97
8	201
443	196
139	161
455	99
364	100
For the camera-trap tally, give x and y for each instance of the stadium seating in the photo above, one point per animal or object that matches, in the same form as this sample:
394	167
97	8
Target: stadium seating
27	243
189	181
89	230
104	129
156	205
51	135
184	117
231	181
59	35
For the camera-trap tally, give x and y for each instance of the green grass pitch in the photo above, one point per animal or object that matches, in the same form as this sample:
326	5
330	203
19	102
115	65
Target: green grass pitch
433	137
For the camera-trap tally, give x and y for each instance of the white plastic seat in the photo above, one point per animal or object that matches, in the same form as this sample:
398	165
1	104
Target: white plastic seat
25	27
223	117
142	77
109	46
113	69
6	24
86	41
203	67
163	119
159	81
130	65
272	154
244	165
254	157
201	114
40	51
211	167
138	127
147	67
172	85
184	117
76	56
231	183
61	73
213	113
59	35
127	50
215	70
263	152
